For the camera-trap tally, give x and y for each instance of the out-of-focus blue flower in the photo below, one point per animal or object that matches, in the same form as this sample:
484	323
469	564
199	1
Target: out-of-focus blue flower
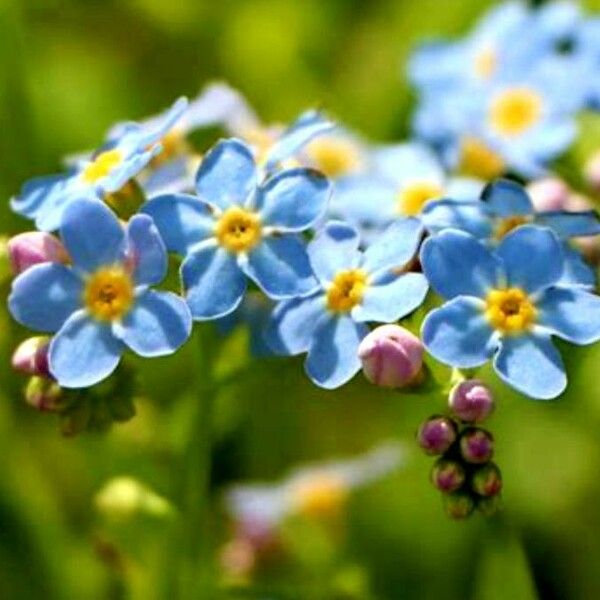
240	227
103	303
401	181
355	287
44	199
504	206
506	305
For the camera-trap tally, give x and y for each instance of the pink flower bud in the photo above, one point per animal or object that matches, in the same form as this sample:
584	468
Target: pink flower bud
592	171
471	401
476	446
447	475
391	356
436	435
550	193
31	356
487	481
34	247
43	394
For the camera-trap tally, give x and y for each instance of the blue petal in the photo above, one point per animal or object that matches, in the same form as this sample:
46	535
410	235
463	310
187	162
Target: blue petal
146	251
458	333
172	177
37	192
571	313
456	264
280	267
160	126
44	296
532	257
570	224
293	199
532	365
92	235
577	271
182	220
293	323
309	125
396	246
213	282
158	324
506	198
333	355
451	214
403	163
334	248
364	199
392	301
227	174
83	352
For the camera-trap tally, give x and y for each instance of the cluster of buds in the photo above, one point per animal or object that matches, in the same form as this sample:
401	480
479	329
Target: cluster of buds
464	471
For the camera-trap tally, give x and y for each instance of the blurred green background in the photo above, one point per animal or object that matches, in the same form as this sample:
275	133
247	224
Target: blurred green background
70	69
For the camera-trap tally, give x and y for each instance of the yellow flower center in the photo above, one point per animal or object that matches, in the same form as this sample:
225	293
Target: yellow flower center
334	156
109	293
510	311
346	290
102	165
238	229
320	496
173	144
477	160
485	63
413	197
515	110
506	225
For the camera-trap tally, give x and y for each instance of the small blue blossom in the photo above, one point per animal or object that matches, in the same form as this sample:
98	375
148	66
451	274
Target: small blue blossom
238	227
505	305
44	199
354	288
506	205
102	303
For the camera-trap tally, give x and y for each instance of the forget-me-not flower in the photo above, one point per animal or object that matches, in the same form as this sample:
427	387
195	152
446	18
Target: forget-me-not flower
355	287
102	303
505	305
44	199
239	227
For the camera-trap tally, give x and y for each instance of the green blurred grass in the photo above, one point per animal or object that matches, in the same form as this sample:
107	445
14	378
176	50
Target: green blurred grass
67	71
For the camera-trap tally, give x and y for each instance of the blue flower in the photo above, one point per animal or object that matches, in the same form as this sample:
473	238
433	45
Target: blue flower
355	287
401	181
103	303
108	170
505	305
506	205
238	227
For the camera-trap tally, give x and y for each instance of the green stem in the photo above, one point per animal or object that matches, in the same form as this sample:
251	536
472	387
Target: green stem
196	579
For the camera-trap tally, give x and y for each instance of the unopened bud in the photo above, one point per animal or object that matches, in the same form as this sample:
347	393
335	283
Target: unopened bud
31	357
550	193
487	481
43	393
33	248
436	435
471	401
391	356
459	505
476	446
447	475
592	171
489	506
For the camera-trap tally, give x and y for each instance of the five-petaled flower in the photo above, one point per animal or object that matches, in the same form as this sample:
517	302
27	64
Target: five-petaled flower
102	302
506	304
355	287
238	226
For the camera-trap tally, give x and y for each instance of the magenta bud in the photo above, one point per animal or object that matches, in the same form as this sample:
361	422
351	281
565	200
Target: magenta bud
471	401
447	475
476	446
43	394
391	356
31	356
436	435
550	193
592	171
33	248
487	480
459	505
